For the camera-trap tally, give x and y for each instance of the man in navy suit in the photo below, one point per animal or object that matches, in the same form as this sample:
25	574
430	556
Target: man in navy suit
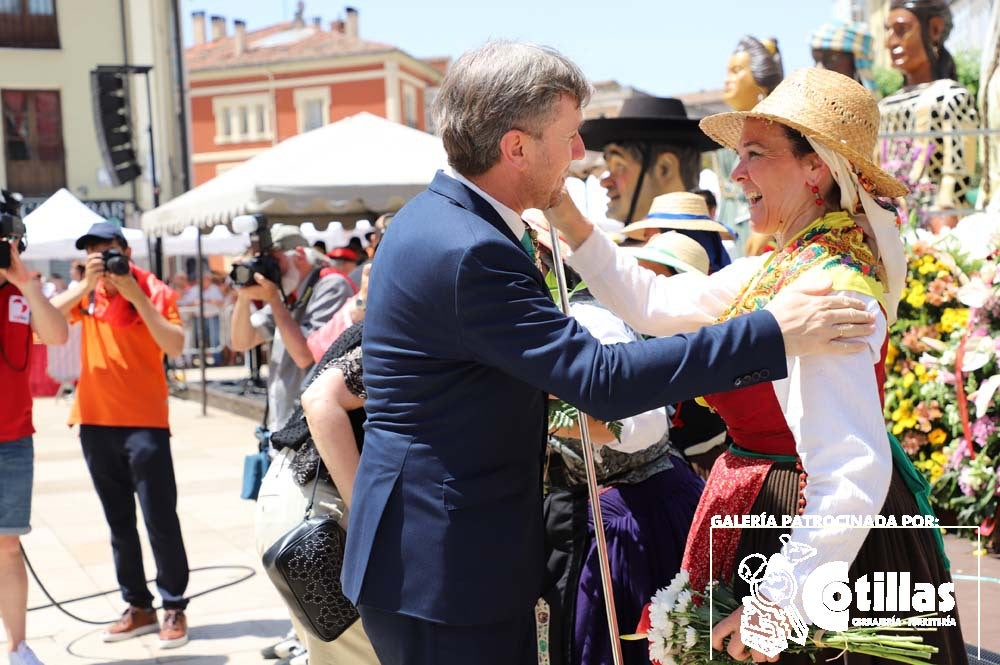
462	347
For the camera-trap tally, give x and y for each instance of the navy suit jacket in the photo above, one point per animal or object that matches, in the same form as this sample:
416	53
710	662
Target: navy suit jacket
462	346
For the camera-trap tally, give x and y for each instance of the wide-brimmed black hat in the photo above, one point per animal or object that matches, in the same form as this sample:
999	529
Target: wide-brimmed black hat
647	119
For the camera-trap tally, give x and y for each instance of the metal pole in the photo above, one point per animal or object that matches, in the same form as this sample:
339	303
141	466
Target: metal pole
201	327
592	491
158	247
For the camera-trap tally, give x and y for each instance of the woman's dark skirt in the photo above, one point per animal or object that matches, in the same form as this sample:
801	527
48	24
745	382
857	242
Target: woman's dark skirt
884	550
646	526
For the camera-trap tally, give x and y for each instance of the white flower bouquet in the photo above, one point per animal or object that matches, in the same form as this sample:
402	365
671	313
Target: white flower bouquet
678	624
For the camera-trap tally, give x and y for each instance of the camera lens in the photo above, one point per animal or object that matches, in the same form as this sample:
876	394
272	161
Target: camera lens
115	262
241	274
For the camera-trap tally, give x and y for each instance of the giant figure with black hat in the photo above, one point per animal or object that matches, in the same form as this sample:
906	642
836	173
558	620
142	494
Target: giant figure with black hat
651	148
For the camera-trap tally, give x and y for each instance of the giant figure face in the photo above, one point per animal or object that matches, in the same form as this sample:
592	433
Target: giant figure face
741	91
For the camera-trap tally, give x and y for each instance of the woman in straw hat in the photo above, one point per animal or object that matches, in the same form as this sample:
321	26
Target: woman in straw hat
815	443
649	498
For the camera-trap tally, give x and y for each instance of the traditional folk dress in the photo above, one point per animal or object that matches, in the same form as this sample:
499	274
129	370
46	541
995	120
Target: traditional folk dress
648	497
813	444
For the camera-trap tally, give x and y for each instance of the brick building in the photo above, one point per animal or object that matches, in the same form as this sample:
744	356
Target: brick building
251	89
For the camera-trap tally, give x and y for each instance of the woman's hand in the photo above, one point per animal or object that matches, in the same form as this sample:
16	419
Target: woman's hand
730	627
568	219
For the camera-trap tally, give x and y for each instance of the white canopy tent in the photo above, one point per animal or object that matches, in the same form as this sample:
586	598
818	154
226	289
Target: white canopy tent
220	241
362	164
53	227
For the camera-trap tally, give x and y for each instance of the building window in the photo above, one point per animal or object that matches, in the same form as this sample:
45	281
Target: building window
313	115
242	118
28	24
33	141
312	108
410	106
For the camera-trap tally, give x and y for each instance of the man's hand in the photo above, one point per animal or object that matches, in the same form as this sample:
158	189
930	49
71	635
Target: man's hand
127	287
93	270
358	313
265	290
17	274
812	322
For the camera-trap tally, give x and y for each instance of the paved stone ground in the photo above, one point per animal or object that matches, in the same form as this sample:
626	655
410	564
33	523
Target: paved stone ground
69	547
70	550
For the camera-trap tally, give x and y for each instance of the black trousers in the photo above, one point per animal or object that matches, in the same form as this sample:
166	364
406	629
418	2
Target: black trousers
129	461
400	639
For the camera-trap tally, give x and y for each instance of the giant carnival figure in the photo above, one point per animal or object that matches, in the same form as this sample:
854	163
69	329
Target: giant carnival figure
845	48
753	71
920	123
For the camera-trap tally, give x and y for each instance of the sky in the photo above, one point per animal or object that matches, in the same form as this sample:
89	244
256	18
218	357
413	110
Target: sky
662	47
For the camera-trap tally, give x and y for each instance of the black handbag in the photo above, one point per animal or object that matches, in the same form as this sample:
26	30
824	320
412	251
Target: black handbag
305	565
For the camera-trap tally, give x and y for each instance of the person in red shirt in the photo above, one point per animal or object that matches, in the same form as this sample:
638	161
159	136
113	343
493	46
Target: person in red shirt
129	322
23	309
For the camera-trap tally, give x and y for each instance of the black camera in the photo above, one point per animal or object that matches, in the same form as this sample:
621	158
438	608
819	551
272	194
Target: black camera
11	226
115	262
260	244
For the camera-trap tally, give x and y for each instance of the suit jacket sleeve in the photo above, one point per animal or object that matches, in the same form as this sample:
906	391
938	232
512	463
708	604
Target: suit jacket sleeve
507	320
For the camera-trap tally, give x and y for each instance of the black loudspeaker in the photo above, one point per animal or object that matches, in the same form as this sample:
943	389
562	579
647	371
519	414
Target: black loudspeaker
114	128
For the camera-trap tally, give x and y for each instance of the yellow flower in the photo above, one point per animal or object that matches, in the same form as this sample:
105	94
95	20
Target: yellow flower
908	379
891	354
954	319
919	370
897	428
917	295
937	436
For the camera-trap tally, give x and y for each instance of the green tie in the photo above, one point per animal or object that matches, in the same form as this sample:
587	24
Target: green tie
529	247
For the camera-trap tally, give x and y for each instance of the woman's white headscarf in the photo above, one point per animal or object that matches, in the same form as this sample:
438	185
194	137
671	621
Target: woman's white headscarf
877	223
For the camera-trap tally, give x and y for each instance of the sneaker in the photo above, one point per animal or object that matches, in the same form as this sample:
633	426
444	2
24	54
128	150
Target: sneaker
174	632
135	621
297	657
282	649
24	656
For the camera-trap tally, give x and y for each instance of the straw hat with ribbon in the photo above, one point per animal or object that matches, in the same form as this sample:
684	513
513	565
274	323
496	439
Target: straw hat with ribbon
677	210
840	119
675	250
825	106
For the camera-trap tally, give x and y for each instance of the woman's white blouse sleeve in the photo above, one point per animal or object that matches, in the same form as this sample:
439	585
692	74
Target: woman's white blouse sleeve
834	411
653	304
640	431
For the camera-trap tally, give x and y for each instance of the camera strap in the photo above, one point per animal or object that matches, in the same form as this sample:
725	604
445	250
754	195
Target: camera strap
307	291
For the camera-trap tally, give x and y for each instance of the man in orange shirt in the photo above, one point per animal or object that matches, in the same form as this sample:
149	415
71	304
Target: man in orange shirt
130	320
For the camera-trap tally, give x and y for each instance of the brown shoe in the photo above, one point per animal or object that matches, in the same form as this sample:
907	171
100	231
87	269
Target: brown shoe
135	621
174	632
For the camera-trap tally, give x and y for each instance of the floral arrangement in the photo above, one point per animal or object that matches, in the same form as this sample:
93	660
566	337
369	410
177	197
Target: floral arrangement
906	160
942	380
679	621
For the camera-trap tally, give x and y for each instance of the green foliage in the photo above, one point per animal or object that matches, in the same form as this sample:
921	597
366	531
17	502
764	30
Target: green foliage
550	281
563	414
887	80
967	64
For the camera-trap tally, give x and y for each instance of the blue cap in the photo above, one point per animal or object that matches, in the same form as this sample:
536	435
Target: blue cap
100	232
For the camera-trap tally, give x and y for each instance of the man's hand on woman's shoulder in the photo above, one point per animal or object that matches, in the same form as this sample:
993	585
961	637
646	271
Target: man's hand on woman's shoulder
812	321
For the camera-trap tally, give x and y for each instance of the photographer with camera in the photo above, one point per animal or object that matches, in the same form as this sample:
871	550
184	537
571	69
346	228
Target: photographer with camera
23	310
298	297
130	320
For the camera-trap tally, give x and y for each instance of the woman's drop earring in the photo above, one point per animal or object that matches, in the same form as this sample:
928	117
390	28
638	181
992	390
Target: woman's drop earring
819	199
